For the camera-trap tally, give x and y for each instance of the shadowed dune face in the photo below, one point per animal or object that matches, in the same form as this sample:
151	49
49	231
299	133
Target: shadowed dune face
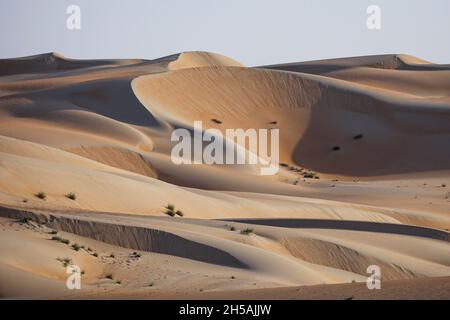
386	62
112	99
342	258
119	158
145	239
198	59
85	149
238	97
318	117
273	256
53	62
397	133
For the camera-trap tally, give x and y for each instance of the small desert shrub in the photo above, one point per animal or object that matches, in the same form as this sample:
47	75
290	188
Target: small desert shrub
179	213
136	255
232	228
71	196
311	175
247	231
112	255
76	247
41	195
217	121
54	232
95	254
336	148
62	240
118	282
65	261
25	220
109	276
358	136
170	211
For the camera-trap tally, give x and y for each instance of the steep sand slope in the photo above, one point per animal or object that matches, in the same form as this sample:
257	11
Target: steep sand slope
269	257
432	85
30	168
387	61
315	115
101	129
198	59
52	62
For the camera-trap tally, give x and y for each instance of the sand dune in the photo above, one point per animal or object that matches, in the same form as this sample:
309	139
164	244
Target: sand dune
308	107
373	130
51	62
418	289
387	61
198	59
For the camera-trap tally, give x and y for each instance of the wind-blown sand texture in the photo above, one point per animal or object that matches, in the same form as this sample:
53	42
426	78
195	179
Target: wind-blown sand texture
374	130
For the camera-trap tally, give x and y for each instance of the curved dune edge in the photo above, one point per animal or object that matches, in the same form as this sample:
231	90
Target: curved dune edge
212	243
198	59
119	158
101	130
144	239
104	178
53	62
319	252
401	229
387	62
306	107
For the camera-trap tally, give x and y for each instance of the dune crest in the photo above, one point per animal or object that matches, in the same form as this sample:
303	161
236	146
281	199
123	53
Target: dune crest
306	107
85	161
53	62
198	59
384	62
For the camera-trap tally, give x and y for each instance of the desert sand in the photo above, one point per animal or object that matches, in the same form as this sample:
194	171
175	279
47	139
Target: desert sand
364	179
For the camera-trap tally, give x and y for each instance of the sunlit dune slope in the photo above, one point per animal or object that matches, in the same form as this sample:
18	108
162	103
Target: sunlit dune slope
85	153
329	125
387	61
53	62
197	59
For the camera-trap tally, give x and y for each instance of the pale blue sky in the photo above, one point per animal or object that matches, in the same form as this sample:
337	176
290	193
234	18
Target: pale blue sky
254	32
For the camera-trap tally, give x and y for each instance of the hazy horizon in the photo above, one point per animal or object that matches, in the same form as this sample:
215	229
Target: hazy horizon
252	32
